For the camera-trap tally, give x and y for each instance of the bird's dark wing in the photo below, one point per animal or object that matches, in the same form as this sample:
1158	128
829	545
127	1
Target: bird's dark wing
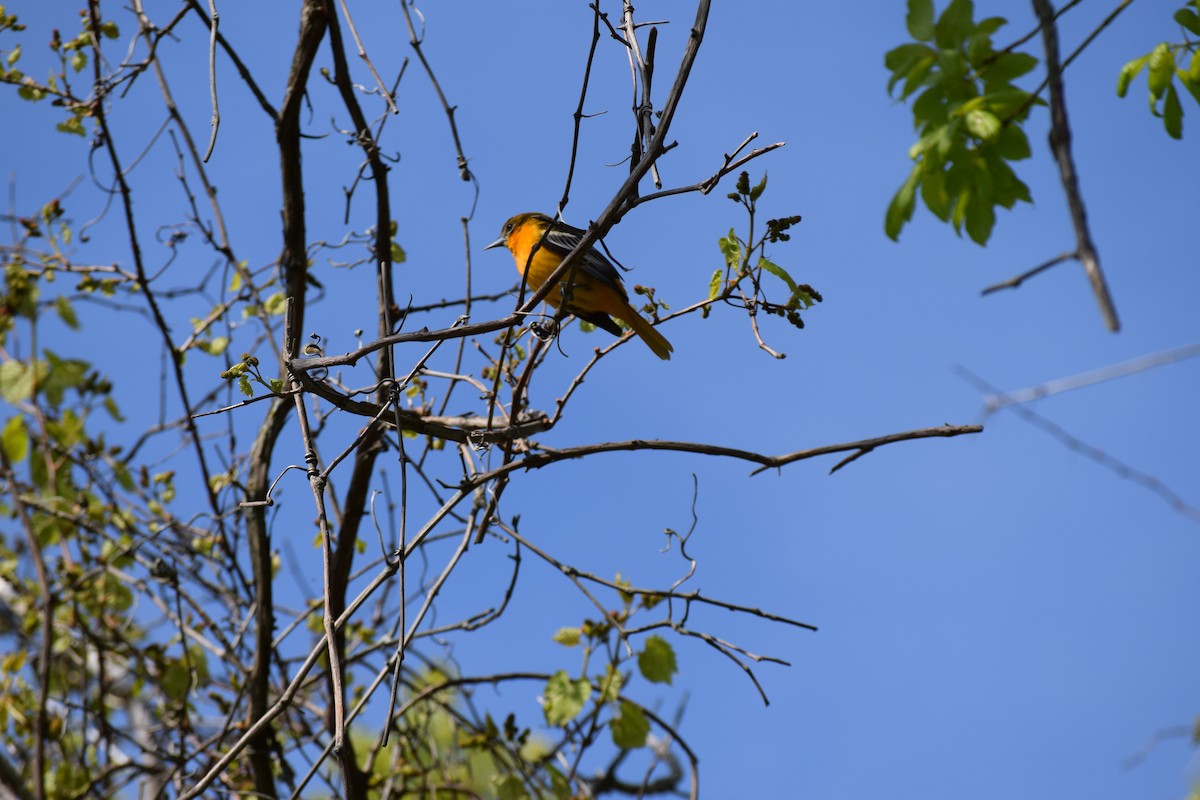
562	240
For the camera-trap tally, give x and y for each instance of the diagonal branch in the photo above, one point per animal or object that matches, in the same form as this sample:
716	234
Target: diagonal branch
1060	146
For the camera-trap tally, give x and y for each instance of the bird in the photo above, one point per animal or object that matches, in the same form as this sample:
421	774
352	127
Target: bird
595	293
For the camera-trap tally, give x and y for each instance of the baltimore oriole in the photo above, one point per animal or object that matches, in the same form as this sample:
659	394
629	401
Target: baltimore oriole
595	292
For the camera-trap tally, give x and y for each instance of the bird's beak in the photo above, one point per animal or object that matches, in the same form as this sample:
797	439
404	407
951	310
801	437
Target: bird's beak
498	243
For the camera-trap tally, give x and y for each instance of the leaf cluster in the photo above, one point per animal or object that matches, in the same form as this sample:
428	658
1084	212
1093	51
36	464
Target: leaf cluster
746	261
1163	66
968	114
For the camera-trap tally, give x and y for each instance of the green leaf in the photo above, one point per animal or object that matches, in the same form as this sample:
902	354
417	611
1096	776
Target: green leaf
954	24
960	207
214	346
983	124
1007	102
398	254
13	56
1128	73
15	439
568	637
124	478
778	272
1012	143
610	684
758	189
16	381
560	787
1188	19
630	727
65	312
933	192
276	304
176	681
900	210
657	661
72	125
1194	67
714	284
1190	83
62	374
731	248
508	787
1008	67
930	106
1007	186
1173	114
903	60
564	698
920	19
915	77
1162	69
931	138
244	386
980	219
979	44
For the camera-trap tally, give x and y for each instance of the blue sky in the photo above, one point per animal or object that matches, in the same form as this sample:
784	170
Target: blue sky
1000	616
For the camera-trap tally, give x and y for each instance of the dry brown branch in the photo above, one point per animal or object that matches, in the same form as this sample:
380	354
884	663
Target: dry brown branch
1017	280
543	456
1060	146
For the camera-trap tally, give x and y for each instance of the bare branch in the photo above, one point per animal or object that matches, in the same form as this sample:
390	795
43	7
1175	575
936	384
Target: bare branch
1014	282
214	20
1060	146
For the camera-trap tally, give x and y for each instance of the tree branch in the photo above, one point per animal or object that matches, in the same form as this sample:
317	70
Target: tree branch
1060	146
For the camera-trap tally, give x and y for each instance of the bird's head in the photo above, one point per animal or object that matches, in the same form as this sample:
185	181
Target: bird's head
515	225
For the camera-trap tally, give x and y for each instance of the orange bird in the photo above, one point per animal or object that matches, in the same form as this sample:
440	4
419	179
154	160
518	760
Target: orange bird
595	292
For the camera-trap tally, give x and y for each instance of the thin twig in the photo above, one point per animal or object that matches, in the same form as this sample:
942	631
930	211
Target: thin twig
1015	281
362	53
214	21
464	171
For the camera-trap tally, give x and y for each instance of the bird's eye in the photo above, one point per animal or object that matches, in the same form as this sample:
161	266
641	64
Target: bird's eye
508	228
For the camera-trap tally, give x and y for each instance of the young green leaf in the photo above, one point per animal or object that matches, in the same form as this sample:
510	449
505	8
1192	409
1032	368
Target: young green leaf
778	272
568	637
731	248
1162	69
954	24
980	219
657	661
1008	67
920	19
15	439
564	698
1128	73
900	210
630	727
1173	114
66	312
983	124
1189	20
758	189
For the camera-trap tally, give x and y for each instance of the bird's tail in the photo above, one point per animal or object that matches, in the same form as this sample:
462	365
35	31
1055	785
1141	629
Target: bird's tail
653	339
